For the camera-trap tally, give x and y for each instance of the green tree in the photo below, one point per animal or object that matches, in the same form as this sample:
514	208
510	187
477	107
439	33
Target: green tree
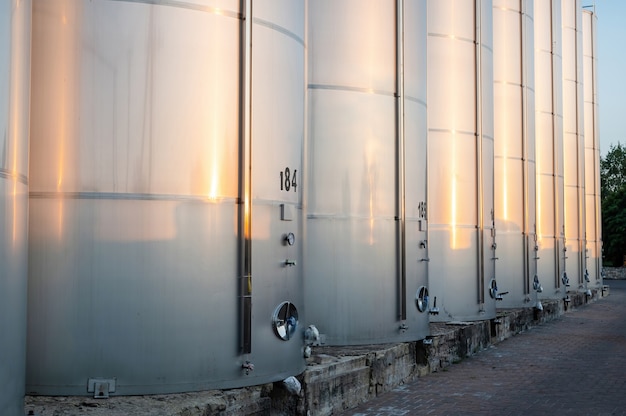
613	188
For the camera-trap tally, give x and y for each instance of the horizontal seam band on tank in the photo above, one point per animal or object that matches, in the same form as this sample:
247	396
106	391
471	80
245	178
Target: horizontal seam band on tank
547	112
278	28
519	12
184	5
515	84
508	9
454	37
126	196
575	28
7	174
548	51
348	216
350	89
517	158
415	100
464	132
447	226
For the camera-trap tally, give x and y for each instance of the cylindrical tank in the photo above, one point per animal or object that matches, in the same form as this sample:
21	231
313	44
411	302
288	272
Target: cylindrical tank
159	259
573	145
15	20
514	152
460	159
366	152
549	147
593	252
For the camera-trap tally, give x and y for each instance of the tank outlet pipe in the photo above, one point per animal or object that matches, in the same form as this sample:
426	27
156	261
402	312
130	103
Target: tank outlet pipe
244	199
525	156
434	310
400	168
478	85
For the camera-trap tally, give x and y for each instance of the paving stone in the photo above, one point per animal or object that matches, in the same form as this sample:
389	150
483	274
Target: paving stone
573	365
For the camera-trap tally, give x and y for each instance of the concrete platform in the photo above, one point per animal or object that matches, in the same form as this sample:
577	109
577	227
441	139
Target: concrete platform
337	379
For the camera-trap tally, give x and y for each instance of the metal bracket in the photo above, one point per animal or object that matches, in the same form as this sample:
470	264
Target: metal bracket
101	387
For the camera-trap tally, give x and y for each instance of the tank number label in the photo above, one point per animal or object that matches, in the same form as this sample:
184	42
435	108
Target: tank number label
288	180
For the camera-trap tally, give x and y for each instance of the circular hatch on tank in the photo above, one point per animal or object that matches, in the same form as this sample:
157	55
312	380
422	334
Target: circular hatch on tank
421	299
285	320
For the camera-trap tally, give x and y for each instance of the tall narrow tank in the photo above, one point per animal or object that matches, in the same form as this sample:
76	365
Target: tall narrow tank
366	152
15	18
573	144
549	147
593	252
460	159
159	259
514	125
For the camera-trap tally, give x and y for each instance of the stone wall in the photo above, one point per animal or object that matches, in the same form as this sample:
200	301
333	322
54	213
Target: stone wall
613	273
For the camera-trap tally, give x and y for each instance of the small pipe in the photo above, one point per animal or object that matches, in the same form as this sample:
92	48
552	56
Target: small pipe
400	155
525	169
244	199
479	149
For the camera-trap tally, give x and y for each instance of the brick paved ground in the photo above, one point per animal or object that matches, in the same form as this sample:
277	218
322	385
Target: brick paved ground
575	365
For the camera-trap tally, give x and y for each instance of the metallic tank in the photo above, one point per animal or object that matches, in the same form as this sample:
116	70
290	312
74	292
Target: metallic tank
593	252
549	147
366	245
573	144
166	158
514	150
460	156
15	21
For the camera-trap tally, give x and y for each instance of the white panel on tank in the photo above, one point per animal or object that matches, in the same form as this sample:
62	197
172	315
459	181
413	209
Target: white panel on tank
573	143
460	155
593	252
514	150
15	32
353	250
549	146
134	238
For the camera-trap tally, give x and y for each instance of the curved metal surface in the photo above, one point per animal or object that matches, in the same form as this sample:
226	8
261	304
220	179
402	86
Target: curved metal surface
15	18
514	150
593	252
460	154
137	122
549	146
354	257
573	143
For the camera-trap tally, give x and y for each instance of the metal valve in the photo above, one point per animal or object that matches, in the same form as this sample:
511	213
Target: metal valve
247	367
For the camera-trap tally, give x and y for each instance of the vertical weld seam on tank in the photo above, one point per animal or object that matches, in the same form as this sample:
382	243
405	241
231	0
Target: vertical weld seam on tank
479	147
304	155
524	115
245	178
400	162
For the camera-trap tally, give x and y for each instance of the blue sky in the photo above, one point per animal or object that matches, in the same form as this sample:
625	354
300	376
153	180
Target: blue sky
611	71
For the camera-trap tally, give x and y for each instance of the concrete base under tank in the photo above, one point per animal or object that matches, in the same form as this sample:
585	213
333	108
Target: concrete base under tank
336	379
